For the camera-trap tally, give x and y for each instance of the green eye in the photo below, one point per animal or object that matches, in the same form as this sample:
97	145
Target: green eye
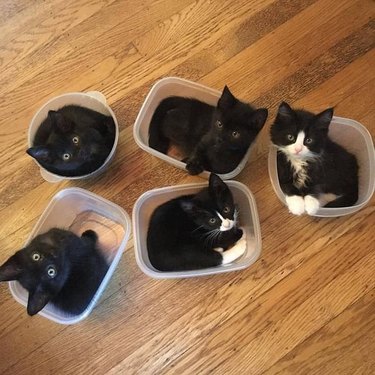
212	220
308	140
226	209
51	272
290	137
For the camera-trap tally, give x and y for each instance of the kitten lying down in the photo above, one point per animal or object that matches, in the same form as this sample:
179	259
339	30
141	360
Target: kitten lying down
313	170
196	231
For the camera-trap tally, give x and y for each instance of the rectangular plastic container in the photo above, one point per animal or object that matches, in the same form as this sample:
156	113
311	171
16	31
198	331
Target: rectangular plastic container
173	86
78	210
248	218
355	138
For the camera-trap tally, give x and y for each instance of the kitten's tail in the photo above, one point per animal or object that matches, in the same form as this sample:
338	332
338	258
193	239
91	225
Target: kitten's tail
156	138
90	235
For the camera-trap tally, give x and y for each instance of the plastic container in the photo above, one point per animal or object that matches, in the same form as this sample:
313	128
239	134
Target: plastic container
248	219
78	210
94	100
357	140
171	86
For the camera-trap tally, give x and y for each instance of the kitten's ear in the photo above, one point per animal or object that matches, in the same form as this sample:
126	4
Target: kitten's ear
59	121
38	298
40	153
188	206
11	269
227	99
323	119
285	111
216	185
259	117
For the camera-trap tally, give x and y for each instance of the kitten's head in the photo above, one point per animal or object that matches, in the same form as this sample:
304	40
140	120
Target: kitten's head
236	124
68	147
300	134
42	267
213	208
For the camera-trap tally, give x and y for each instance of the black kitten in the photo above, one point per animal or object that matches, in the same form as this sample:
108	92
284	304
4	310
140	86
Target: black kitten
313	170
212	138
58	267
73	141
195	231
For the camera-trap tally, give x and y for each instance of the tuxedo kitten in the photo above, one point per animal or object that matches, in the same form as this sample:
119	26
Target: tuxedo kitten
196	231
210	138
313	170
73	141
58	267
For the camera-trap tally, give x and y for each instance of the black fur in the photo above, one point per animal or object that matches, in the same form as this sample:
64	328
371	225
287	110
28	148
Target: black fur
57	137
211	138
179	231
78	264
331	169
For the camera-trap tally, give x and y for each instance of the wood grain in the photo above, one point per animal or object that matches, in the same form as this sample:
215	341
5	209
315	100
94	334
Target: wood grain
307	305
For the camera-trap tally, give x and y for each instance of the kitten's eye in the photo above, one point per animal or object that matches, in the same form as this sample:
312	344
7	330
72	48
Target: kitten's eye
290	137
235	134
66	156
75	140
226	210
308	140
36	257
219	124
212	220
51	272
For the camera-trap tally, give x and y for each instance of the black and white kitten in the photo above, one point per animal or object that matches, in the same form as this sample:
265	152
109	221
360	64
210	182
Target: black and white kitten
58	267
196	231
73	141
210	138
313	170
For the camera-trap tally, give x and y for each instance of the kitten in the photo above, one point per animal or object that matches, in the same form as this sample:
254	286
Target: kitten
73	141
58	267
196	231
211	138
313	170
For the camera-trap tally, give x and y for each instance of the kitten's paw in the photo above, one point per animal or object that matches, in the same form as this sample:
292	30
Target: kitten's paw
296	204
194	167
234	252
219	249
312	205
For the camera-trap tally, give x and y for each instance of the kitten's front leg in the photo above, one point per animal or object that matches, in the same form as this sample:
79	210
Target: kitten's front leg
235	251
195	161
296	204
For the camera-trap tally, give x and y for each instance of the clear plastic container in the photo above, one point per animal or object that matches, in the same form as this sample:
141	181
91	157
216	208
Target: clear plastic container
78	210
173	86
248	219
357	140
94	100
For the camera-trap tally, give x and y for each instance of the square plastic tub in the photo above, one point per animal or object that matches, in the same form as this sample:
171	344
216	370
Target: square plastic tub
94	100
355	138
77	210
173	86
149	201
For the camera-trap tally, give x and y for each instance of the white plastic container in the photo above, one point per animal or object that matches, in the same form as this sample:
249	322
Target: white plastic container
173	86
92	100
79	210
355	138
248	218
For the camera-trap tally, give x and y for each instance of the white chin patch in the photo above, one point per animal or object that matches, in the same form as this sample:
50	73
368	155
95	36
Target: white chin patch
226	224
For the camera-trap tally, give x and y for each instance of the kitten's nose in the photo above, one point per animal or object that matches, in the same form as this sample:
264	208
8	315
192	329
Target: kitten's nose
297	149
226	223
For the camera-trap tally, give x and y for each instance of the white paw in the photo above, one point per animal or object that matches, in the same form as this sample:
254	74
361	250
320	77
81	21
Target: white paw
312	205
234	252
219	249
296	204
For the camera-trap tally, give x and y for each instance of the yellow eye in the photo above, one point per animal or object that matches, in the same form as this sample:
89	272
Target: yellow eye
235	134
212	220
66	156
75	140
219	124
226	209
36	257
290	137
308	140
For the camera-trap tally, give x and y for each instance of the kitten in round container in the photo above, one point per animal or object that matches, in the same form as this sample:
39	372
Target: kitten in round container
73	141
313	170
196	231
58	267
209	138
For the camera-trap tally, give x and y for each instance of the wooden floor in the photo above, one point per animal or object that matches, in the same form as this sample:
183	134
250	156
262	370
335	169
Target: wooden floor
307	305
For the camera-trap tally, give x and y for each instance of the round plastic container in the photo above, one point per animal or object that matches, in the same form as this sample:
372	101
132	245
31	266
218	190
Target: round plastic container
173	86
94	100
248	219
355	138
78	210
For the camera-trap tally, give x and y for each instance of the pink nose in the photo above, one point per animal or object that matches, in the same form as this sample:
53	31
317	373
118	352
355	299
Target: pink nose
298	149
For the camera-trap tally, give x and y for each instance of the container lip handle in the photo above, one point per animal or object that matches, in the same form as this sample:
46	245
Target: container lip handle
97	95
49	176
